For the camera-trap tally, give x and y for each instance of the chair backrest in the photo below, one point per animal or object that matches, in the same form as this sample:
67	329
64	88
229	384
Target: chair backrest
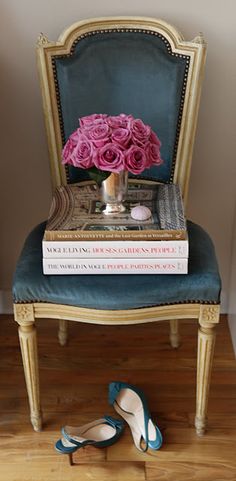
138	66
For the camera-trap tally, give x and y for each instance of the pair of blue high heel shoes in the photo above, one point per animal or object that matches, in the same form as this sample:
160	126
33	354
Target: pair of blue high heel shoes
130	403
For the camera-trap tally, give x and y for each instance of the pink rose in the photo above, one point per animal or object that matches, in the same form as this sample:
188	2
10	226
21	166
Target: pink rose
140	132
112	143
99	134
153	155
110	157
92	119
154	139
136	160
74	137
82	155
68	151
121	136
121	120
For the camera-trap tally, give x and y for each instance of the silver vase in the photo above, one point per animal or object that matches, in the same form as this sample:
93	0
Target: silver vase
114	191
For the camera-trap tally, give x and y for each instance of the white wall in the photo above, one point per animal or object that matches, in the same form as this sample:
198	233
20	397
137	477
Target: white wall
232	290
25	190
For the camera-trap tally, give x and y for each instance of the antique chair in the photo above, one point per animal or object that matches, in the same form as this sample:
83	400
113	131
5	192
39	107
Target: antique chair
111	65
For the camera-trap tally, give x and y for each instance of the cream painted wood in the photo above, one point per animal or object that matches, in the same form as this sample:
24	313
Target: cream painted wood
195	49
63	332
116	317
209	317
174	333
24	316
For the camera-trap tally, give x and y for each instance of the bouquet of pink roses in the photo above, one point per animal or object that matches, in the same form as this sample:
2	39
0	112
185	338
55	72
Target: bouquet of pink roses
104	144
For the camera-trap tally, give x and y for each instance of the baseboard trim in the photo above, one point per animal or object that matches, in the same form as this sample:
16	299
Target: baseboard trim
224	303
6	303
232	328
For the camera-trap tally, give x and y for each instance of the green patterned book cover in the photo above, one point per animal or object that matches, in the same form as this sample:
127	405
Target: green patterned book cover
76	214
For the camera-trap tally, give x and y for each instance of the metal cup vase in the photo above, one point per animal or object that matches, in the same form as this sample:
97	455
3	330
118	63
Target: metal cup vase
114	191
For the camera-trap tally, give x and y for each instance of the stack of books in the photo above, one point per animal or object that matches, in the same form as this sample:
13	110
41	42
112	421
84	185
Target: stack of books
80	239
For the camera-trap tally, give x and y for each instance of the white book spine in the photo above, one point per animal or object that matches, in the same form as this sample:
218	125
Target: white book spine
115	266
112	249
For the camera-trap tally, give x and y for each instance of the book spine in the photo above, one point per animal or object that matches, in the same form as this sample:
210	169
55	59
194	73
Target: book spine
139	235
110	249
115	266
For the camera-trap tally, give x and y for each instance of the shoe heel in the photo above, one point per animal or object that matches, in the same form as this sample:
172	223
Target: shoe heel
112	393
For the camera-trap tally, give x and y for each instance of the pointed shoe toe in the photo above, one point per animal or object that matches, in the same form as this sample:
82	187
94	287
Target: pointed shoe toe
65	447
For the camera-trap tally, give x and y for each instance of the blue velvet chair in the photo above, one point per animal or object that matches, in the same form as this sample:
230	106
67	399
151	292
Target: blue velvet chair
141	66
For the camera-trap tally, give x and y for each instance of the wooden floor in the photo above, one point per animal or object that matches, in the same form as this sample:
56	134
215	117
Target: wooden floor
74	383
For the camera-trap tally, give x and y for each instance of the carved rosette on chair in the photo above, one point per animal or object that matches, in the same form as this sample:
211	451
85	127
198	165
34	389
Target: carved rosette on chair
114	191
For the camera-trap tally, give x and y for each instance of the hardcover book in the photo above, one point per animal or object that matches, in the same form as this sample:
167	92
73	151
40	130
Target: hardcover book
115	266
76	214
108	249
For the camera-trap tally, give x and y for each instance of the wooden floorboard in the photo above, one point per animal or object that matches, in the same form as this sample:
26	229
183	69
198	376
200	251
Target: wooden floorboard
74	382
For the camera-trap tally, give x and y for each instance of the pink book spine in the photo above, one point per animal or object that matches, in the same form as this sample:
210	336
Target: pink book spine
115	249
115	266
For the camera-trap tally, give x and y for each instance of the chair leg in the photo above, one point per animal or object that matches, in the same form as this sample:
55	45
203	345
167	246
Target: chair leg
63	332
209	317
24	316
174	333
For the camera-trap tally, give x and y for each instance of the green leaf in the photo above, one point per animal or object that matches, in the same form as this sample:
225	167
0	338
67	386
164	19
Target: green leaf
98	175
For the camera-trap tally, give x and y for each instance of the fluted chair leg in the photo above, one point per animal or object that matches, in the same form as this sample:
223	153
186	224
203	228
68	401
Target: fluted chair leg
63	332
209	317
24	316
174	333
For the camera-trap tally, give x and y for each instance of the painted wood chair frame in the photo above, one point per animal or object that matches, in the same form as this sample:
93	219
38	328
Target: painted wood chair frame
206	314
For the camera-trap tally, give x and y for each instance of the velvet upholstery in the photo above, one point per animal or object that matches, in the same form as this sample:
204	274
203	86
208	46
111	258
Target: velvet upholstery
119	291
103	75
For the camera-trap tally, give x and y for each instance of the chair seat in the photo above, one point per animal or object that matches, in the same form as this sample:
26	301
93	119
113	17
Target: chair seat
201	284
